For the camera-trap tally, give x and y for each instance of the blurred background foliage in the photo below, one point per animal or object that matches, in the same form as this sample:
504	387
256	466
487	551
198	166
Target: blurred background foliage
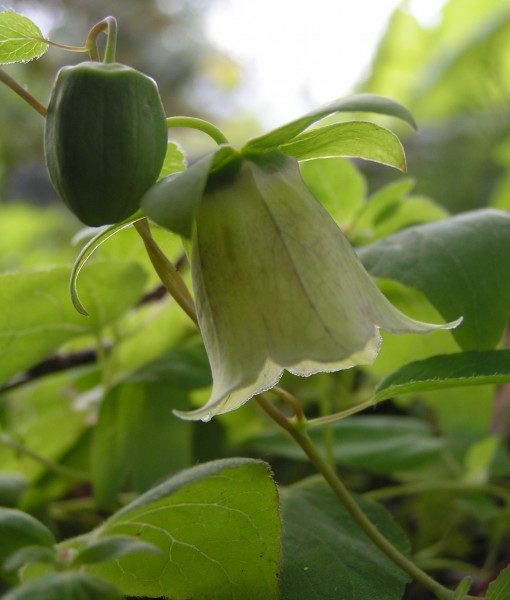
455	78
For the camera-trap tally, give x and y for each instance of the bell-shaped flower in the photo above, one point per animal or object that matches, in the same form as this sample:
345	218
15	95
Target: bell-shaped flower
277	285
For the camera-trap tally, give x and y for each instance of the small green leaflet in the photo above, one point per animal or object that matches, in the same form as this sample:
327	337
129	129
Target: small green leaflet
20	38
447	371
111	548
71	586
359	139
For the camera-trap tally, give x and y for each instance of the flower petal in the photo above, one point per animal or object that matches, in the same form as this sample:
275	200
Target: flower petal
278	286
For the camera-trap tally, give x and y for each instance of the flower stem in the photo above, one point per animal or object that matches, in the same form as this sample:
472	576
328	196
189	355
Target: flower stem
199	124
345	497
166	271
22	92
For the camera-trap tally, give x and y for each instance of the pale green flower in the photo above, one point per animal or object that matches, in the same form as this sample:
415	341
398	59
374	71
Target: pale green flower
277	285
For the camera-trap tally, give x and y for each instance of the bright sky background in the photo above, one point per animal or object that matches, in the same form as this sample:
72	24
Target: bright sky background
300	54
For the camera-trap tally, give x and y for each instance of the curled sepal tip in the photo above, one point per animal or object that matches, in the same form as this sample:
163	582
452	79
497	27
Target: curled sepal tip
86	252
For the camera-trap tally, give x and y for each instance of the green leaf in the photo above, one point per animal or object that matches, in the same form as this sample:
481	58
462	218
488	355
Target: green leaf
461	264
356	103
218	528
174	161
64	586
500	588
358	139
112	548
338	184
327	556
12	487
19	529
377	444
122	452
36	316
20	39
29	554
86	252
447	371
173	201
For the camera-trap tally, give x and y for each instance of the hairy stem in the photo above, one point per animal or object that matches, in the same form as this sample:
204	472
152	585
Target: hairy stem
345	497
166	271
22	92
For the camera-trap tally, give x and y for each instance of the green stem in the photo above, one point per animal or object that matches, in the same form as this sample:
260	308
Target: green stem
194	123
22	92
65	46
166	271
339	415
108	24
420	487
8	442
343	494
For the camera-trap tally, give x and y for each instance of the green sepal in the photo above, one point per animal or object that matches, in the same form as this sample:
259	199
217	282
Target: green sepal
86	252
173	202
356	103
19	529
358	139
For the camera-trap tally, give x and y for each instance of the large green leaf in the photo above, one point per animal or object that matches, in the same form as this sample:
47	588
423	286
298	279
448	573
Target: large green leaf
461	264
218	527
36	314
500	588
326	556
378	444
447	371
123	455
358	139
356	103
20	38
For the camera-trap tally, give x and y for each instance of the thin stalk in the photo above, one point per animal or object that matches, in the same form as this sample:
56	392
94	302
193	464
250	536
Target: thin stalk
339	415
292	401
420	487
166	271
8	442
22	92
199	124
108	24
65	46
343	494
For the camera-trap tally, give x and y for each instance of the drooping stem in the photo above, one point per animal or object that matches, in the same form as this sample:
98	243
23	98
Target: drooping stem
343	494
22	92
108	24
166	271
199	124
8	442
